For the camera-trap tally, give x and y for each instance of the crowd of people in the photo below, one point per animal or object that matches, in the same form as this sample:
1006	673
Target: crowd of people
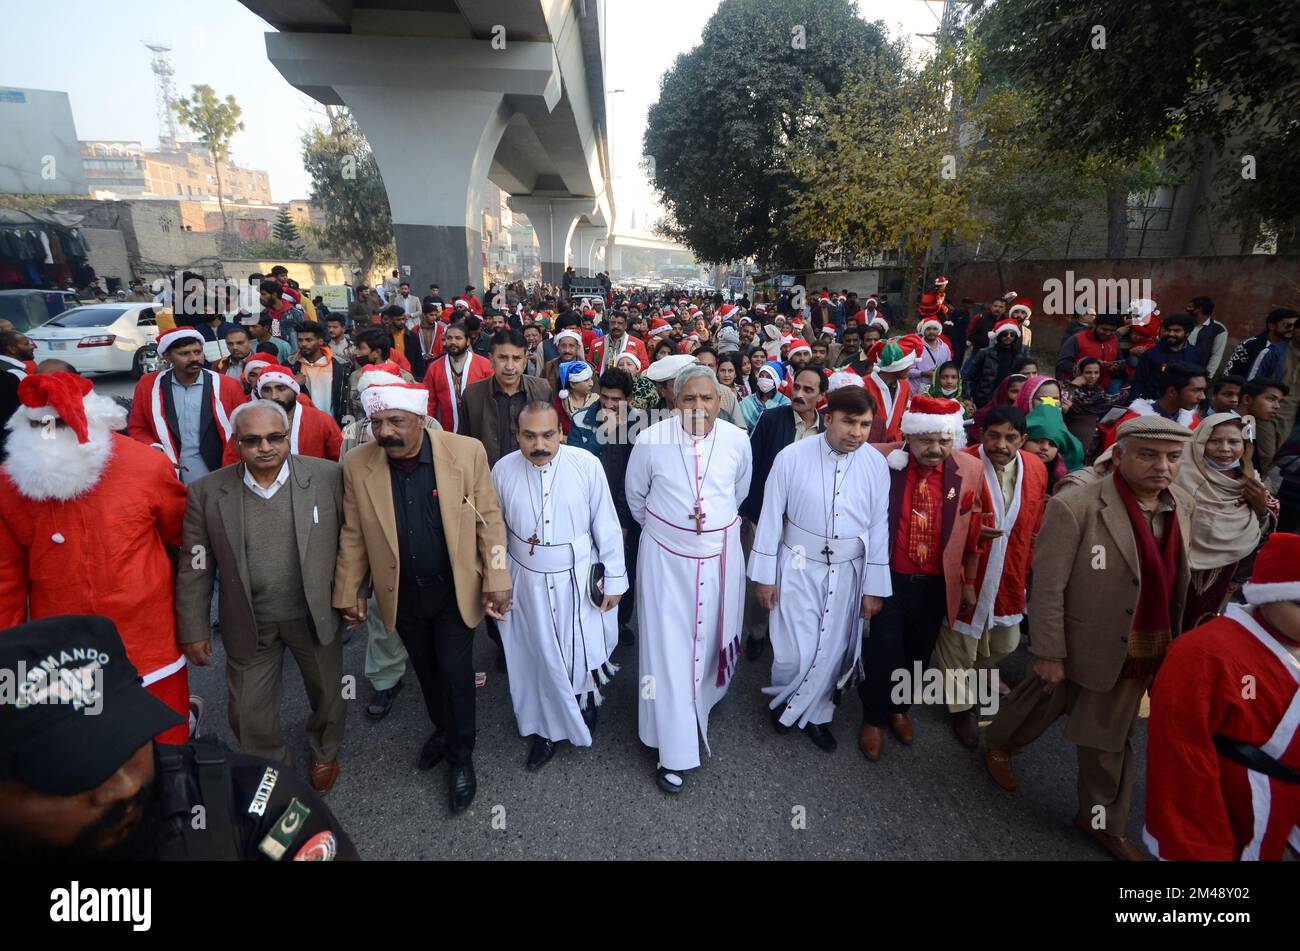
875	497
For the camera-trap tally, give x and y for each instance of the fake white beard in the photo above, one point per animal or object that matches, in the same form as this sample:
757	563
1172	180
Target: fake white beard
48	463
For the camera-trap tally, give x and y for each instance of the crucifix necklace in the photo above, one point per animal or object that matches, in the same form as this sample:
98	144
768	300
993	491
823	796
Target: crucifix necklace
698	516
533	540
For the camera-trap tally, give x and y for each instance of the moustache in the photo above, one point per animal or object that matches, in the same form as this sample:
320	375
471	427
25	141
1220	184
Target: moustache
389	442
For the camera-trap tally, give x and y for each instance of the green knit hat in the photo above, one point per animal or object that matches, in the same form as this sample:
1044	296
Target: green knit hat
1046	422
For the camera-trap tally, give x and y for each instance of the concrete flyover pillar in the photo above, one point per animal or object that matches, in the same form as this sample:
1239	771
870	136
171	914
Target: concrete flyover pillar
615	260
553	219
433	112
586	237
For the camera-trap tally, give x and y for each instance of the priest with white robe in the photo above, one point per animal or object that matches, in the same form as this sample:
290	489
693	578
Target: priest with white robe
821	563
686	478
560	523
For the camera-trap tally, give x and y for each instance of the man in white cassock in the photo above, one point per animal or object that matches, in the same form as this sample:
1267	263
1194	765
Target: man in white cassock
686	478
560	523
821	562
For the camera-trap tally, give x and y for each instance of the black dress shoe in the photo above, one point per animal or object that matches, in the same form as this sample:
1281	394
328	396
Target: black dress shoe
666	784
539	754
776	719
382	702
821	737
589	716
463	785
435	748
754	647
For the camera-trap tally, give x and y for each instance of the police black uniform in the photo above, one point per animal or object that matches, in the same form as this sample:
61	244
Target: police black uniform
78	715
220	805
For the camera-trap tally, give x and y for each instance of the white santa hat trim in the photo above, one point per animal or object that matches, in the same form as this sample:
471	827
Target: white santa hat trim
411	397
801	347
172	337
278	374
1269	593
897	459
1002	326
568	334
101	412
929	322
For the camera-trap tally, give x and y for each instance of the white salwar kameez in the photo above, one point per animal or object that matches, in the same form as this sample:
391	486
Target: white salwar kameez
823	540
690	585
557	641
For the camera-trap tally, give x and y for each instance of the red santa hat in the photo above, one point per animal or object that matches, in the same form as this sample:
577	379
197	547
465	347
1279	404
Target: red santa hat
378	374
930	414
278	374
929	305
796	323
659	326
172	337
1022	308
60	394
1276	576
800	346
259	361
940	282
897	353
568	334
839	378
411	397
1142	310
927	322
727	311
1005	325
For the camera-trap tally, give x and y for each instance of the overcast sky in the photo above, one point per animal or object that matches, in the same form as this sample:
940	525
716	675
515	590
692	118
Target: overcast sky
96	54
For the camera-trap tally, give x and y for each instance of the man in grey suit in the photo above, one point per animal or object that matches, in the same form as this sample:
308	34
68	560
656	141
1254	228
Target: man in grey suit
270	525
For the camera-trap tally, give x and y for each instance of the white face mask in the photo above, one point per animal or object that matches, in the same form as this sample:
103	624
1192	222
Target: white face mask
766	384
947	392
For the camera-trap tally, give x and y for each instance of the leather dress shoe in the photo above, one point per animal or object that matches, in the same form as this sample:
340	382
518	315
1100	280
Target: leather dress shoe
776	719
666	784
870	740
1120	846
435	748
323	775
382	702
754	647
998	763
901	726
463	786
821	737
539	754
966	727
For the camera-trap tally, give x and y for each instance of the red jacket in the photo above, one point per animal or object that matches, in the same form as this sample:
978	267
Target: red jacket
1004	603
443	404
313	432
1087	345
631	345
148	425
100	553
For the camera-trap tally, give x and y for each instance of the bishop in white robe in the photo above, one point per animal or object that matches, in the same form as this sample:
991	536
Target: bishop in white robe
560	521
823	541
684	490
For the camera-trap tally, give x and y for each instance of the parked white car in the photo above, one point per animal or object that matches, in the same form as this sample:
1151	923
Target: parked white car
100	338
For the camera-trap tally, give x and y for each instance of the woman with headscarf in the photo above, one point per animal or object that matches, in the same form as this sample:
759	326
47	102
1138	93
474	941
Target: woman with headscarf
769	380
644	394
945	383
728	373
577	391
1006	392
1039	389
1047	437
1232	509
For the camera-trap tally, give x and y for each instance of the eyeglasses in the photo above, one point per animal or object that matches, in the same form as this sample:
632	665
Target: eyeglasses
252	442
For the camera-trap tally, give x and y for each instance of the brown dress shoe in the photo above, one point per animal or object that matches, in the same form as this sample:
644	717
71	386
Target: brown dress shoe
1119	846
901	726
967	728
870	740
998	763
323	775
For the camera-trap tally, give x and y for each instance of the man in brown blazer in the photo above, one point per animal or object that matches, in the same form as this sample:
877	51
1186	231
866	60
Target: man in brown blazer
935	512
270	525
1110	579
489	409
423	527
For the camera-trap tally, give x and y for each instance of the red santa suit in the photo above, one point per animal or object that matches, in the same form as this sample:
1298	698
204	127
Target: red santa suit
445	386
312	432
84	518
1232	679
895	355
1003	574
148	422
628	344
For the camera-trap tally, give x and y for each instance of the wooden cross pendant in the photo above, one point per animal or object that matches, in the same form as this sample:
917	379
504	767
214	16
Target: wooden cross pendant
698	518
532	543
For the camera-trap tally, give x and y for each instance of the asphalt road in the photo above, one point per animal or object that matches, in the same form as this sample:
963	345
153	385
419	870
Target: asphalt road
760	796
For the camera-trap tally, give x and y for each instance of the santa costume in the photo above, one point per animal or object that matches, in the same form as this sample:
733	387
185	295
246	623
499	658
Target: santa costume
312	432
446	385
85	514
895	355
154	419
1223	741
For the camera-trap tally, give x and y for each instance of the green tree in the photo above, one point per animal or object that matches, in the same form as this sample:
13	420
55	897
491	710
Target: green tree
349	190
733	112
1125	78
285	231
215	122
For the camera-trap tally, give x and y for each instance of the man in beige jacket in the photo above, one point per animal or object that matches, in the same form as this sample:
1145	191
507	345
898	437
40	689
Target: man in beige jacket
1110	579
421	522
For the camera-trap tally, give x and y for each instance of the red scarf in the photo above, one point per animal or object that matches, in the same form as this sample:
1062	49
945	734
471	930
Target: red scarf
1153	627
